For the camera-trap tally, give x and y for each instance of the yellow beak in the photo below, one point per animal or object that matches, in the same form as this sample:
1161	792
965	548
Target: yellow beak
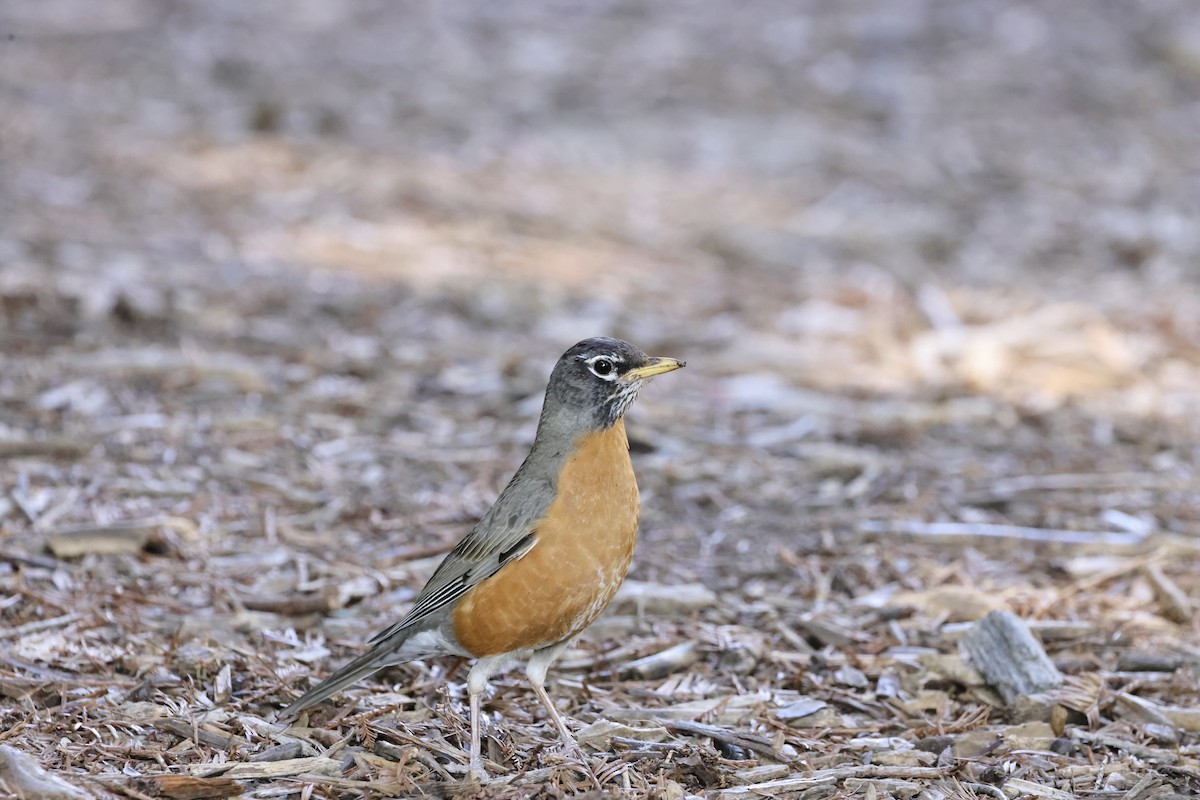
656	366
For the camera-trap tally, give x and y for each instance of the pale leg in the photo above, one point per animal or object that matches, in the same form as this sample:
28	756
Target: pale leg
476	760
477	683
535	670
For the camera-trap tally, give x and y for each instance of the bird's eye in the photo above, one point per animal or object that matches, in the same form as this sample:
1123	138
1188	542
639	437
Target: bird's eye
602	367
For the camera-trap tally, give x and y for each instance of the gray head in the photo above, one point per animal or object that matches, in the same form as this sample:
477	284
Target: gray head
594	383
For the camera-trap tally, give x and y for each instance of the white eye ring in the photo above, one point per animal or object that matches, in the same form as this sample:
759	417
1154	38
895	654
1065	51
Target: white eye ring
603	367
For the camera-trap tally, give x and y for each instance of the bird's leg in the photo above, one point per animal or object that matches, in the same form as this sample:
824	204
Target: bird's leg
536	669
477	761
477	682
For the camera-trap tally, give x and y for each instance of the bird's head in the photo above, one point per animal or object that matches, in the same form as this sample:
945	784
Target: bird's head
596	380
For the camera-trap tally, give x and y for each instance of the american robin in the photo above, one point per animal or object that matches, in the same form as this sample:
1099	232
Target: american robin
550	553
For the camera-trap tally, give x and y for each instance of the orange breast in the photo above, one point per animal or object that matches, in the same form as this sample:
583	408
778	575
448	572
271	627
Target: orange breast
584	546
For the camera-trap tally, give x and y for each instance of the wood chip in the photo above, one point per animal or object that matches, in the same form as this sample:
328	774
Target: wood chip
763	772
1142	661
280	752
294	605
128	538
832	776
316	765
31	560
121	538
1009	656
975	532
726	710
1019	787
1133	748
201	734
662	663
49	447
882	788
185	787
728	736
1143	788
799	709
1174	601
1140	708
1027	735
599	734
1184	717
25	776
952	603
223	685
39	625
659	600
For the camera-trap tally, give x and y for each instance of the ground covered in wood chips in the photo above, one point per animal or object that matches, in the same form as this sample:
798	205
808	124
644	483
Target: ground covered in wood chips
281	285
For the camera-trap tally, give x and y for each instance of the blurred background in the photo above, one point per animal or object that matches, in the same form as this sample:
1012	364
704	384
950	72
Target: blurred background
281	283
885	196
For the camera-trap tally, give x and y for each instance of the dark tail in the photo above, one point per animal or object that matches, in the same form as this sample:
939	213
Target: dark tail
368	663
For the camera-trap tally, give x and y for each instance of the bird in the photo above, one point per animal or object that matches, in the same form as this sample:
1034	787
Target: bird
547	557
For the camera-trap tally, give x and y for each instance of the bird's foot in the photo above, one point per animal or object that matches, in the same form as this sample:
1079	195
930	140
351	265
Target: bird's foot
478	772
585	765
